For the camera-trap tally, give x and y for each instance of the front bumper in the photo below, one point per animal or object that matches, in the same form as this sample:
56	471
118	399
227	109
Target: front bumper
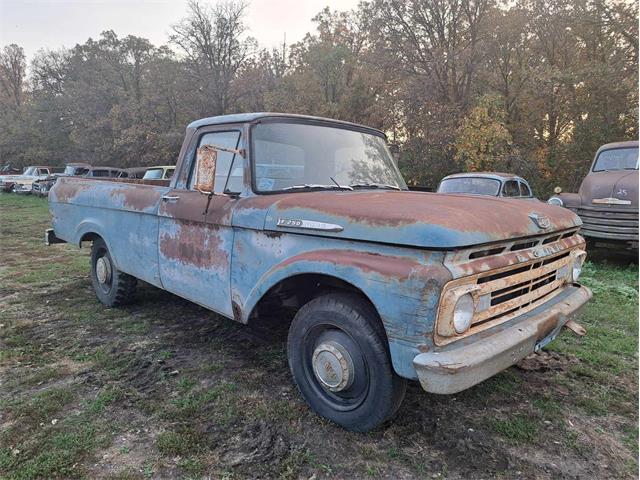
469	361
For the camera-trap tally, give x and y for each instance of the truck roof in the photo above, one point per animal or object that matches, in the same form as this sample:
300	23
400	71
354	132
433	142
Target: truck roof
494	175
251	117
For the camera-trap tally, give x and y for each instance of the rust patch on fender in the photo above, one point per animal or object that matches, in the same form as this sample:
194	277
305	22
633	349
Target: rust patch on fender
386	265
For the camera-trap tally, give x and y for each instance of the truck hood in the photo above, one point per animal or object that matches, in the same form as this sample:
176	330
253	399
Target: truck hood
621	184
428	220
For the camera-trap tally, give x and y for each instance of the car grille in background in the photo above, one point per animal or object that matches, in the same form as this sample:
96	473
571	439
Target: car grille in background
609	223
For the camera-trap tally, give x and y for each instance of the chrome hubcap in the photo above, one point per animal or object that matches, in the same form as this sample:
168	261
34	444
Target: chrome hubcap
103	270
333	366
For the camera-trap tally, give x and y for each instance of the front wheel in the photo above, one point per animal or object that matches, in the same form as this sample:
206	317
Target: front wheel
340	361
113	287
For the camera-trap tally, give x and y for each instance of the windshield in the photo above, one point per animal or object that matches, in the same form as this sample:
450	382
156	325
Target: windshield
617	159
293	155
473	185
31	172
75	170
153	174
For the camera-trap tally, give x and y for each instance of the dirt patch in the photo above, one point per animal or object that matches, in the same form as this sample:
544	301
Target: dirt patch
545	361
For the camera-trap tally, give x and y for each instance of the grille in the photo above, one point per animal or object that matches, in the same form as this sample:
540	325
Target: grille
507	292
512	290
610	223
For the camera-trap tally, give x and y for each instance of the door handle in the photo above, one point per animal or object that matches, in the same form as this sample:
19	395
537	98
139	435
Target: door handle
170	198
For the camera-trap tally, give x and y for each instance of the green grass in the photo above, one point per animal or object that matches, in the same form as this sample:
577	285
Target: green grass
517	429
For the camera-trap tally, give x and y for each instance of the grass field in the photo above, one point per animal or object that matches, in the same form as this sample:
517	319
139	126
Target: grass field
164	388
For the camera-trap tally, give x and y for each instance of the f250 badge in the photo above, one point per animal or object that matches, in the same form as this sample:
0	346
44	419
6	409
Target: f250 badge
621	193
540	220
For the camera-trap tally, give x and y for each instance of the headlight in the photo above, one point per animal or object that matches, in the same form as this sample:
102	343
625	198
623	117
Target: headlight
578	261
556	201
463	313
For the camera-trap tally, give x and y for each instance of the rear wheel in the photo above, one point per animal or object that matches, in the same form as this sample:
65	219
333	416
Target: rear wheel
113	287
339	359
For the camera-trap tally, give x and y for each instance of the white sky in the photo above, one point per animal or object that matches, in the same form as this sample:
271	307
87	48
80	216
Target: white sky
51	24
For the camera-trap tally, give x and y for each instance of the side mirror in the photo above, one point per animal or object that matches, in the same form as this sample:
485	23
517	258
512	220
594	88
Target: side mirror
206	159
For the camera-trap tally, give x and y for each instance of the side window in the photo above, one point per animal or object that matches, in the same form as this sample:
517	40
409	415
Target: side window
511	189
43	171
227	165
525	190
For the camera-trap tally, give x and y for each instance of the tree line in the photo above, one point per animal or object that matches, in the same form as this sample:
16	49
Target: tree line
531	86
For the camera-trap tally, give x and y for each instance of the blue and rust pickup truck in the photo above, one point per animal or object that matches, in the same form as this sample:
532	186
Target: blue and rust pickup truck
271	213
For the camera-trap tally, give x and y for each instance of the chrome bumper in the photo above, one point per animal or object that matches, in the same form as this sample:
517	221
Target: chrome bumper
469	361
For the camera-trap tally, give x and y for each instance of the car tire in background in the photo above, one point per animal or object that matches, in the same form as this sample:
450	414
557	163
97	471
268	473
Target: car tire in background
339	359
113	287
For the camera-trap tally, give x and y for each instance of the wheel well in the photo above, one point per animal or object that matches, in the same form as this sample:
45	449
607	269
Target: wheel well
88	237
286	297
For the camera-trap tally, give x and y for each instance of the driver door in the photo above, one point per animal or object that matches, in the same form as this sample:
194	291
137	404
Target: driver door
195	234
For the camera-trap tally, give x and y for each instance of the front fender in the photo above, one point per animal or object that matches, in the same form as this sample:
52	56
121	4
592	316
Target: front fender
569	200
402	284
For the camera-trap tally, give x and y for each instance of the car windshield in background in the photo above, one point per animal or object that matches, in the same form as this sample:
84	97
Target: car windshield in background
290	156
31	171
617	159
153	174
472	185
71	170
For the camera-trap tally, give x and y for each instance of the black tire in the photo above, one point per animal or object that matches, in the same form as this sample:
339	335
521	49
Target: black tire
115	288
351	324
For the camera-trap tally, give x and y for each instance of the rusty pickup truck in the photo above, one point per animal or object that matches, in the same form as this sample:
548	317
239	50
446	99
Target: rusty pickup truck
286	215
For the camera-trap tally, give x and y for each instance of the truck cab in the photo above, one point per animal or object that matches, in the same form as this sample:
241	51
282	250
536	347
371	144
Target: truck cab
309	220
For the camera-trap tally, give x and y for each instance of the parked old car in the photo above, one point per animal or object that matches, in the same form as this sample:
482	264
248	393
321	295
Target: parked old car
134	172
97	172
159	173
607	201
42	187
22	183
494	184
312	216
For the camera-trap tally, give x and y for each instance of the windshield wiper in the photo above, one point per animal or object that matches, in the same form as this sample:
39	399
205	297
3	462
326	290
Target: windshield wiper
374	185
315	186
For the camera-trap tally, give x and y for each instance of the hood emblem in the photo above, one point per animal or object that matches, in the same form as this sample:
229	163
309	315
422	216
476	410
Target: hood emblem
540	220
308	225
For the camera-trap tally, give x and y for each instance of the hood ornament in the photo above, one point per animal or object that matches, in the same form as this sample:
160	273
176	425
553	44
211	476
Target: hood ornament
540	220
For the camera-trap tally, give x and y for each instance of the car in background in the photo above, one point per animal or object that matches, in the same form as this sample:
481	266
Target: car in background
41	187
607	201
493	184
133	173
159	173
102	172
22	183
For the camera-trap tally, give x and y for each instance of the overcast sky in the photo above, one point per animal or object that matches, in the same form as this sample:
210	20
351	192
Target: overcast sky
51	24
